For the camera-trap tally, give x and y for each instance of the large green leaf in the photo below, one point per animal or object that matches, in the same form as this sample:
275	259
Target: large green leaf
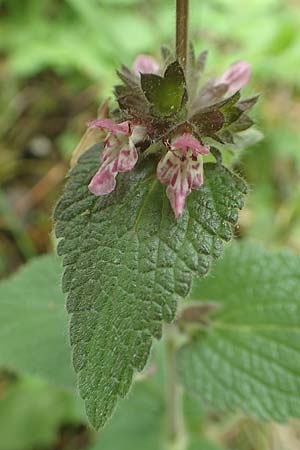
32	323
249	359
127	262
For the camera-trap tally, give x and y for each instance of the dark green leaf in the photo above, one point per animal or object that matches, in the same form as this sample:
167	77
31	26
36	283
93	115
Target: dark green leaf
248	103
232	115
167	93
131	101
127	262
211	119
243	123
228	102
229	109
208	122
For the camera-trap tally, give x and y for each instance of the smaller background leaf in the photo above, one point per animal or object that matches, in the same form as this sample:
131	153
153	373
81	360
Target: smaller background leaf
249	358
32	412
33	323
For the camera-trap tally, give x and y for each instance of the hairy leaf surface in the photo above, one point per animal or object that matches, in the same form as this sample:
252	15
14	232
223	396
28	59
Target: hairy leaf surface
127	262
249	359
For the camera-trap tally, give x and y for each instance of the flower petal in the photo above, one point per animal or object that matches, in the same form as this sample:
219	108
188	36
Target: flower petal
110	125
167	167
236	76
127	158
187	141
145	64
104	182
177	200
181	174
196	173
119	155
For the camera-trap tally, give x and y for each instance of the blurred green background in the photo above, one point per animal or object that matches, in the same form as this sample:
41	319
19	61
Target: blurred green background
57	62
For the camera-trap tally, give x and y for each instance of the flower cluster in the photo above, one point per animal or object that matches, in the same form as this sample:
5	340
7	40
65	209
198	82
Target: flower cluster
156	108
119	154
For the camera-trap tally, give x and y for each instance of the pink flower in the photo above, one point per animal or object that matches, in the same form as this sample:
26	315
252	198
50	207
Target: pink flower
119	154
145	64
181	169
186	141
236	76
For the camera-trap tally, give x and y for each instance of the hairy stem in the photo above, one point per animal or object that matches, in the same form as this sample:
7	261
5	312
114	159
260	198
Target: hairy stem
182	18
176	436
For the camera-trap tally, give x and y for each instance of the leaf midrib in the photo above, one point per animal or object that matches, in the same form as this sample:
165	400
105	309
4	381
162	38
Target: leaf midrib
144	203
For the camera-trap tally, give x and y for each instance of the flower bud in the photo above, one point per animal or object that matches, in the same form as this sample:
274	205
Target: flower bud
236	76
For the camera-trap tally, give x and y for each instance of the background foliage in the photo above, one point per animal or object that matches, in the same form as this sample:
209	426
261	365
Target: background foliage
57	62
